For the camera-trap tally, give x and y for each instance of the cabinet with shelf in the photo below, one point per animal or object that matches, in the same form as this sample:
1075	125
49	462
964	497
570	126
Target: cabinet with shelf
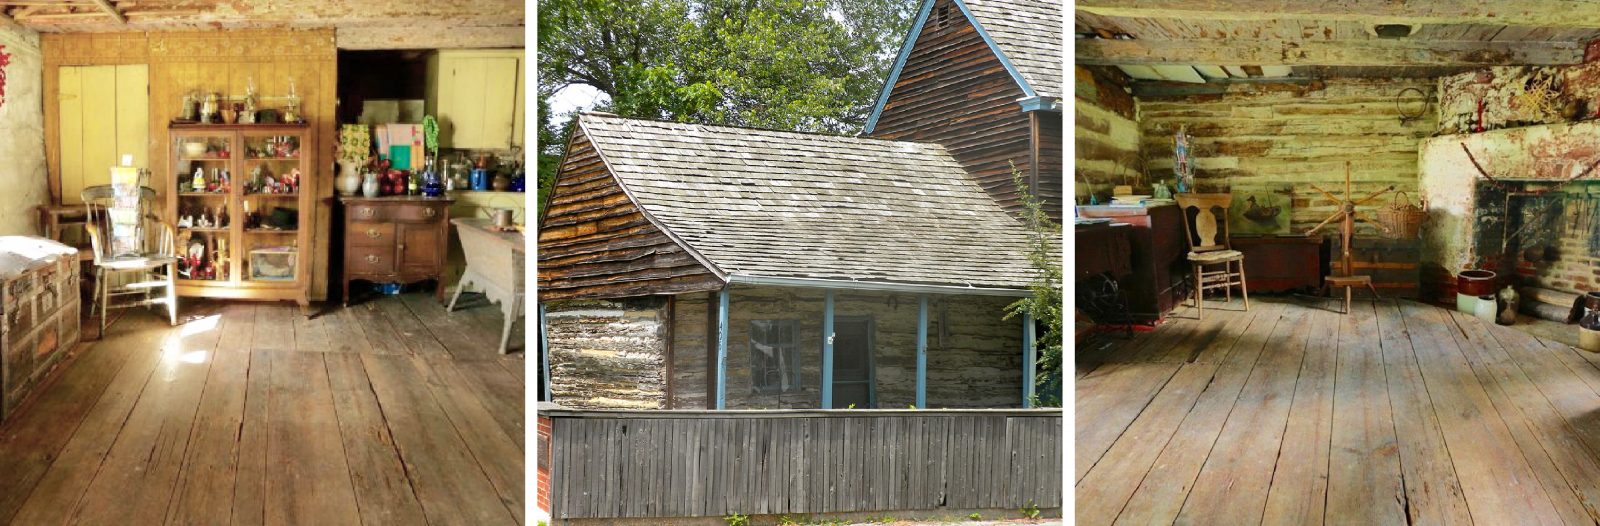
236	199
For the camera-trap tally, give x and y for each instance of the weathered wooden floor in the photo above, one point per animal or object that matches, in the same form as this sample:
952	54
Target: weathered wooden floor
1399	413
388	412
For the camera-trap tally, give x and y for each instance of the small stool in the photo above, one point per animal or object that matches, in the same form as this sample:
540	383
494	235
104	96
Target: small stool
1349	282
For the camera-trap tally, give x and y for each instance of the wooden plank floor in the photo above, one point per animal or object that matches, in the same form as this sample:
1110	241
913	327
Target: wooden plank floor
390	411
1290	413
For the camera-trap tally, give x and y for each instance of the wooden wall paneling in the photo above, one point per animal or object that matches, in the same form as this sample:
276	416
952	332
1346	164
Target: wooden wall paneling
99	103
133	114
180	61
69	145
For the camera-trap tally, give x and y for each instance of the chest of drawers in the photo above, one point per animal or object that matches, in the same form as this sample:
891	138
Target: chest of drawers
395	240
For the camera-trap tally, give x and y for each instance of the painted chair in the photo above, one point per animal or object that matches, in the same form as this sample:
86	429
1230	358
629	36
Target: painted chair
1209	247
495	267
134	253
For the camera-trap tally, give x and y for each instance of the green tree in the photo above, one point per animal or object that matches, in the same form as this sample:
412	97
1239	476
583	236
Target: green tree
801	65
1045	302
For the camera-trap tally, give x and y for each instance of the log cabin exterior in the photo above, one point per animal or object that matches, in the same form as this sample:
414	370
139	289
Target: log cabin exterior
983	79
690	266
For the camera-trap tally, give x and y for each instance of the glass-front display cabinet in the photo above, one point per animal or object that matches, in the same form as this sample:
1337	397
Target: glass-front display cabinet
242	220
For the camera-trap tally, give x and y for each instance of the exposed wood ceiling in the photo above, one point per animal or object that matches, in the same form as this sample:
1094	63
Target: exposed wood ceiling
1333	38
359	24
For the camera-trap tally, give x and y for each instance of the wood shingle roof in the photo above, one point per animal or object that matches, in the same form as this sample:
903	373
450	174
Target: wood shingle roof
1029	34
778	204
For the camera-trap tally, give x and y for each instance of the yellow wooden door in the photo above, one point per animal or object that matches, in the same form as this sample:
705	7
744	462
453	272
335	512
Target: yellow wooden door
479	99
104	115
500	82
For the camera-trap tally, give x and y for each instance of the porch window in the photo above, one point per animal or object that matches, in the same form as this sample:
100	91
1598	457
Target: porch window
774	356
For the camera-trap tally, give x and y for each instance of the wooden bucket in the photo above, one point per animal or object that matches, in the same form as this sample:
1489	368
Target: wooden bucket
1402	219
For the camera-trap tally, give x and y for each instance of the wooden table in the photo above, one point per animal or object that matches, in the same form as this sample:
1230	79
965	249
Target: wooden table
495	263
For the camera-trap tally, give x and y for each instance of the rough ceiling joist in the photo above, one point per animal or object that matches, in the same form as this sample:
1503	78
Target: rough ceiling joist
1544	13
1238	52
358	24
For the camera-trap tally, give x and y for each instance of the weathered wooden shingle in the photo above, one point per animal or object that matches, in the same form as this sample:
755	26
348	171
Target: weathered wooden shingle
1029	34
781	204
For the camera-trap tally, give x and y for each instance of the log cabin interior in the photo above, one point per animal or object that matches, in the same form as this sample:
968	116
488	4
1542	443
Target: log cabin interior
318	262
1411	334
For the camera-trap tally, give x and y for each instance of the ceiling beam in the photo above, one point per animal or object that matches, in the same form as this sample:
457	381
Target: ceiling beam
7	22
1544	13
105	5
1326	53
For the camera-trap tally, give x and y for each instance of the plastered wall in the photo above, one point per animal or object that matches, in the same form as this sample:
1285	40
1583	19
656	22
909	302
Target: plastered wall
22	165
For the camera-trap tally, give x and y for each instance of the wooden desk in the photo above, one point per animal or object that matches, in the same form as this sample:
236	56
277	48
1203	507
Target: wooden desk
1156	254
1103	249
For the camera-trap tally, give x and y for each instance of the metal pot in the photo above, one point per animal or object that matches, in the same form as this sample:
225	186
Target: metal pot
1476	282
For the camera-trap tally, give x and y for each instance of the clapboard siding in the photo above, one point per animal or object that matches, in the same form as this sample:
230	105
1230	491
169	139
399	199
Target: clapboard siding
626	464
1258	135
594	242
1050	144
954	91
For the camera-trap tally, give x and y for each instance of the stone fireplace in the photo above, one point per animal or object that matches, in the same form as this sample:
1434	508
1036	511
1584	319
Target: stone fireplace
1532	220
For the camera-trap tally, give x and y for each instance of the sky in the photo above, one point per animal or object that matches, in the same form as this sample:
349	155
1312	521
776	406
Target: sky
571	99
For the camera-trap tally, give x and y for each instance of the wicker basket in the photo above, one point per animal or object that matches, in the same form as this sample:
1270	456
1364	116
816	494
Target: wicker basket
1402	219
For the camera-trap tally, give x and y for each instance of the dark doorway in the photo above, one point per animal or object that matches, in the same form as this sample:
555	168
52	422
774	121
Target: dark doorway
854	380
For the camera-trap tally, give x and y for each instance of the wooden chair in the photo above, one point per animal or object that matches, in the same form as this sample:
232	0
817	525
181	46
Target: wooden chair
130	244
495	267
1208	247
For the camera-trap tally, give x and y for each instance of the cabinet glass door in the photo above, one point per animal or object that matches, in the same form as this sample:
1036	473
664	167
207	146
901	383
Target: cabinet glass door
203	181
270	196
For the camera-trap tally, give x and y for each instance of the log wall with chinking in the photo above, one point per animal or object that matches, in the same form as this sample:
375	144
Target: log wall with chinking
974	356
608	353
594	242
1259	134
1105	136
954	91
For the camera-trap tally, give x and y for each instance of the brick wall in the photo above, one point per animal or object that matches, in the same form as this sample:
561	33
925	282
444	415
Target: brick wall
542	481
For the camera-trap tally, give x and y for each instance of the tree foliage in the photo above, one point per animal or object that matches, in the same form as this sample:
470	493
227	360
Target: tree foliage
1045	302
800	65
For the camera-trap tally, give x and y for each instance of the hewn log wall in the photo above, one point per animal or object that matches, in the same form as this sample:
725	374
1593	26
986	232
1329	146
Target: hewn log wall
594	242
974	357
608	353
955	92
1255	135
1105	136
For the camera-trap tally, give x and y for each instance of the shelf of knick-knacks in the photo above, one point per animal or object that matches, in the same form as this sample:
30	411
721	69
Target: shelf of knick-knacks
231	184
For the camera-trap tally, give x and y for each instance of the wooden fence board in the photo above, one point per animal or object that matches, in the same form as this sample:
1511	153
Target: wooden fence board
623	464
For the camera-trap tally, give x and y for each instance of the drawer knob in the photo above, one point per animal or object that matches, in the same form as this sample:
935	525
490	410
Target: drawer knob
366	212
373	233
373	259
429	212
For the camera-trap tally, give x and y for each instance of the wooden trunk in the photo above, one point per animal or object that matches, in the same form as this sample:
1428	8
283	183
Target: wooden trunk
1282	264
39	298
397	239
1157	255
1393	265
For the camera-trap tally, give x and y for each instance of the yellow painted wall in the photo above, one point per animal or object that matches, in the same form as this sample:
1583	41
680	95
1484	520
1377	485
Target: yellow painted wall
105	113
218	61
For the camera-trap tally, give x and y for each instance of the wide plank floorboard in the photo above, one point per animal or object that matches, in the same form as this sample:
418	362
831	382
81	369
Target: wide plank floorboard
1397	413
388	412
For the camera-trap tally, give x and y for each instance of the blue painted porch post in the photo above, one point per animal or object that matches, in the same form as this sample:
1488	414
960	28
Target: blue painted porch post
1027	360
722	348
827	350
922	351
544	355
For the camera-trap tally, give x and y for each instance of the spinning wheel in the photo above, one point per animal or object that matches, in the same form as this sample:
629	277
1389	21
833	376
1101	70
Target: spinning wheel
1346	216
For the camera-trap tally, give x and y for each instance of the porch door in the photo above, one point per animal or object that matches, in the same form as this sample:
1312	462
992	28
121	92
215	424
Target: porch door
854	380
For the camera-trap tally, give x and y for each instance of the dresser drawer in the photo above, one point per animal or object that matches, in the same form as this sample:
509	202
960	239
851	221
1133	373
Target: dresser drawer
418	213
369	213
370	234
370	260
